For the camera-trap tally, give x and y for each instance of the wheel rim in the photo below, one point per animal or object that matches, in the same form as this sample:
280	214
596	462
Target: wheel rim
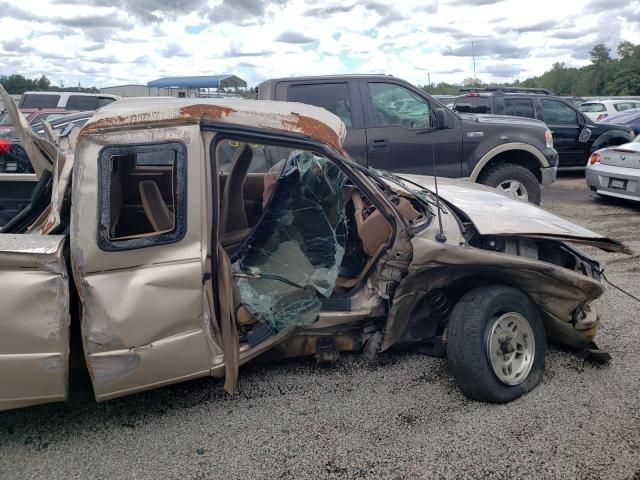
511	348
514	189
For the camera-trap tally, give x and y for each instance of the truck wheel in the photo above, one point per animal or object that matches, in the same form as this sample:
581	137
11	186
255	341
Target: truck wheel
496	344
514	180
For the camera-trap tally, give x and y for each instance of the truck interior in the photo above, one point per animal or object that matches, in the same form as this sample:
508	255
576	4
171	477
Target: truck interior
142	194
300	237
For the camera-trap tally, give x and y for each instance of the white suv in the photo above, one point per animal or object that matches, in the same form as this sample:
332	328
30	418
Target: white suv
67	100
599	109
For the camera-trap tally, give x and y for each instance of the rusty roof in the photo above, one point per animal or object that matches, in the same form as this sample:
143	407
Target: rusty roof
314	122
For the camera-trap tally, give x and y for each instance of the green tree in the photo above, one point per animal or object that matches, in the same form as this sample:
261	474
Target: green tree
600	54
43	83
625	49
472	82
600	58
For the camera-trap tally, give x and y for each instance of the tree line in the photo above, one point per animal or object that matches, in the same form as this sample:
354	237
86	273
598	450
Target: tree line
604	76
17	84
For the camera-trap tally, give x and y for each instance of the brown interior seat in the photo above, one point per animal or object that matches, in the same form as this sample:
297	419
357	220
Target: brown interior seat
159	216
233	215
374	230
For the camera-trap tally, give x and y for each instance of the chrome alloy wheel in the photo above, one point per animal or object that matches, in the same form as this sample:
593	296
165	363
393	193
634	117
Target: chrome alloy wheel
514	189
511	348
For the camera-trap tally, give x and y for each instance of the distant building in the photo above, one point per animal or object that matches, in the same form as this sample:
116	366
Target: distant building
183	87
133	90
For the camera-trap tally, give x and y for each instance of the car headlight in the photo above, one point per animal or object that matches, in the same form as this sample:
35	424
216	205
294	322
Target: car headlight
548	138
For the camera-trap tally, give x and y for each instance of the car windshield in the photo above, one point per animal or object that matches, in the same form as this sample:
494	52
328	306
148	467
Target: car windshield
473	104
592	107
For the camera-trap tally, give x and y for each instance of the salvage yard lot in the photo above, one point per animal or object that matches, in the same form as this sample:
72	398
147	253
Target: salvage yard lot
402	417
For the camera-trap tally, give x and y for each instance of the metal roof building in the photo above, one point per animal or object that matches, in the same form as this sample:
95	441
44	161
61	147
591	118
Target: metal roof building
216	82
185	87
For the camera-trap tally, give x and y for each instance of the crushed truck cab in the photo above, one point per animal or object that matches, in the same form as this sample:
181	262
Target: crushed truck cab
197	235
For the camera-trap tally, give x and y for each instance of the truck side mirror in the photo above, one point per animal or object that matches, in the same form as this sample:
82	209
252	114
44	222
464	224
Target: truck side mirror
441	119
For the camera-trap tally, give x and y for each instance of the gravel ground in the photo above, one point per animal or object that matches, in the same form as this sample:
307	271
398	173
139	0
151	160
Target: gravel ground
403	418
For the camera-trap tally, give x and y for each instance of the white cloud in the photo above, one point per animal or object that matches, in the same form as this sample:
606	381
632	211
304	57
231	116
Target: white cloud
107	42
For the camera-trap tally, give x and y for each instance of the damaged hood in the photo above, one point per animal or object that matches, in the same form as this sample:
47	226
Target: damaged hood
493	213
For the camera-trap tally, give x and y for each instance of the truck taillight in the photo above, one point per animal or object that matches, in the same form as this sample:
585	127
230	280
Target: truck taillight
5	145
602	116
594	158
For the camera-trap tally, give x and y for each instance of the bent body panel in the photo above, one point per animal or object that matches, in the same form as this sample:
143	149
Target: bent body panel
34	325
493	213
144	316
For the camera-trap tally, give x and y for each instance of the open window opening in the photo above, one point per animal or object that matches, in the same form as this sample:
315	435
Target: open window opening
142	198
297	231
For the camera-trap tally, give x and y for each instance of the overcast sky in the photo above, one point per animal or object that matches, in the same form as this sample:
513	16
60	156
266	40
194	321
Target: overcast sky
112	42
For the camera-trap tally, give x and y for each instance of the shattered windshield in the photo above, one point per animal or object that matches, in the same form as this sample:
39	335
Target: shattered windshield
296	249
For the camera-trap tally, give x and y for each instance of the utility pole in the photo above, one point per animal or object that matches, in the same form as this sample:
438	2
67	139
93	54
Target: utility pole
429	76
473	52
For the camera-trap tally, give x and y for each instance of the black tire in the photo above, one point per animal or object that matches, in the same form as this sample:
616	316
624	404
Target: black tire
500	173
468	329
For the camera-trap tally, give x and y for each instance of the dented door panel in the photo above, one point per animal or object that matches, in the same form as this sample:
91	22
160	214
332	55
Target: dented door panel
34	325
145	321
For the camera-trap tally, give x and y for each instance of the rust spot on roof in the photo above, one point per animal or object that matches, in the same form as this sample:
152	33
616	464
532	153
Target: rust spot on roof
211	112
317	130
103	123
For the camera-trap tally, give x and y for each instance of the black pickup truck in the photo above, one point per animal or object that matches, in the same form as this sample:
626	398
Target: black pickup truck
395	126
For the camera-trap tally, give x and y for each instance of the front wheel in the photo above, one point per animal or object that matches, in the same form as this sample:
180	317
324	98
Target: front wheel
496	344
514	180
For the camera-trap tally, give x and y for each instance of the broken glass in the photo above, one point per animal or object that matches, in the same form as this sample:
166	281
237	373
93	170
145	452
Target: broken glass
296	249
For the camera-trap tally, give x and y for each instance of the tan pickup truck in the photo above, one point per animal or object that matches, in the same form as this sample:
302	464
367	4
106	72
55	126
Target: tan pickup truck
182	238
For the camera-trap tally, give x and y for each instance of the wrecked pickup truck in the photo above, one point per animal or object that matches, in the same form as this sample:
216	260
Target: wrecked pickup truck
198	235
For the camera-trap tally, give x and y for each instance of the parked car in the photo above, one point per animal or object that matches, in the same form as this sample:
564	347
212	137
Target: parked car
598	110
629	118
395	126
71	120
187	265
66	100
33	115
575	136
576	101
615	171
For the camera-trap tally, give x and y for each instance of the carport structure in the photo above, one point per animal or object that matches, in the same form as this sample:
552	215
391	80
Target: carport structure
197	86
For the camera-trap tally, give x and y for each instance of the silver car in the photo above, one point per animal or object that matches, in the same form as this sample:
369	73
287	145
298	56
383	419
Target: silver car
615	171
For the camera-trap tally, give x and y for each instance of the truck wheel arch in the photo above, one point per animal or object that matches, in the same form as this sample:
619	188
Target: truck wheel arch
487	158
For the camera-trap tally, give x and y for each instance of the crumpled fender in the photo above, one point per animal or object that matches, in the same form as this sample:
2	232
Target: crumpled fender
556	291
